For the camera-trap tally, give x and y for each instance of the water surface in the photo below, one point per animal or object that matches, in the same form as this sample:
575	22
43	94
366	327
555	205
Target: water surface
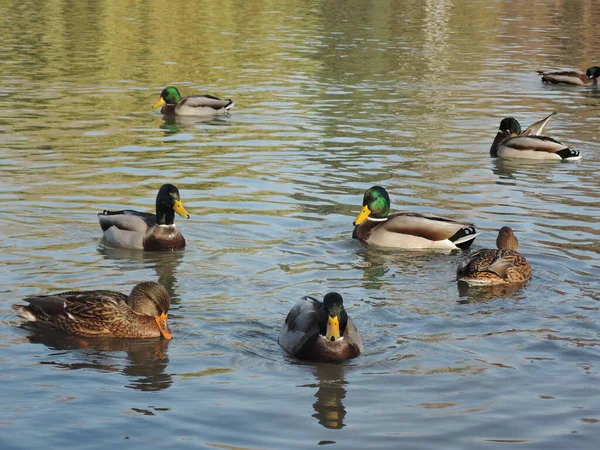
330	99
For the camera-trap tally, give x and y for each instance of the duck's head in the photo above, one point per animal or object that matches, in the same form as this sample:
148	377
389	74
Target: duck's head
168	203
511	125
508	128
337	318
169	95
593	72
376	205
152	299
506	239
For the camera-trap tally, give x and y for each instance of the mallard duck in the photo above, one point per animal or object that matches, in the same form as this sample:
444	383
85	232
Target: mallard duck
196	105
590	77
511	142
103	313
320	331
146	231
376	226
501	266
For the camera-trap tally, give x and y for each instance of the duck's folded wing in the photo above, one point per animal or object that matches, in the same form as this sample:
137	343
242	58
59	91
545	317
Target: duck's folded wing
537	128
49	305
352	335
301	324
427	226
76	304
478	261
501	265
206	101
535	143
563	76
127	219
508	261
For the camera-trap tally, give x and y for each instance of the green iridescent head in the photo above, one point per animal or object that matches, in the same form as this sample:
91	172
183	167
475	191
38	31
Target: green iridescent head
169	95
376	205
512	125
593	72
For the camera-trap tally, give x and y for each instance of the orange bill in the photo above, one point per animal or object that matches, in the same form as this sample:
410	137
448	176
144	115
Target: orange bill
161	321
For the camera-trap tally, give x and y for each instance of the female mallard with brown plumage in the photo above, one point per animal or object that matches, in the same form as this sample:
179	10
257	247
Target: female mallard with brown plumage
511	142
196	105
142	314
501	266
146	231
320	331
376	226
576	77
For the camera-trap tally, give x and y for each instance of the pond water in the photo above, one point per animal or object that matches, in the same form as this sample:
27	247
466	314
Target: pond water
331	98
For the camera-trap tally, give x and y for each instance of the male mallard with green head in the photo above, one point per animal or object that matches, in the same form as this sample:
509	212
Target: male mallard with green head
142	314
146	231
196	105
320	331
376	226
589	78
511	142
501	266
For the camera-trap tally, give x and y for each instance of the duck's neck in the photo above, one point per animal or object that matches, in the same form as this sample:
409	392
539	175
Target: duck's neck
169	108
165	215
500	136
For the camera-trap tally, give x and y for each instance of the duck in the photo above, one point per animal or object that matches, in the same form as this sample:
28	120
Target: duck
147	231
576	77
511	142
142	314
320	331
408	230
196	105
503	265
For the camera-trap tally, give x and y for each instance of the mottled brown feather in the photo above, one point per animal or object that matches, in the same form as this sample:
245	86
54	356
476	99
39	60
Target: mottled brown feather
100	313
496	266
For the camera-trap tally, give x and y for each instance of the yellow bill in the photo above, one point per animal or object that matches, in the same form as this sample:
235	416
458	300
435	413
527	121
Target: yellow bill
179	209
159	103
333	328
161	321
364	213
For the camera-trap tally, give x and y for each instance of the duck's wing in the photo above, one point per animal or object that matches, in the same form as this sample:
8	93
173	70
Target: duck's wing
537	128
74	311
511	266
127	219
564	76
301	324
536	147
352	335
205	101
429	226
477	262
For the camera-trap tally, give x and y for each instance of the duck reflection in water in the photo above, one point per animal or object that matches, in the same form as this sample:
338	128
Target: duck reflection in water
165	264
172	125
142	361
331	391
484	293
